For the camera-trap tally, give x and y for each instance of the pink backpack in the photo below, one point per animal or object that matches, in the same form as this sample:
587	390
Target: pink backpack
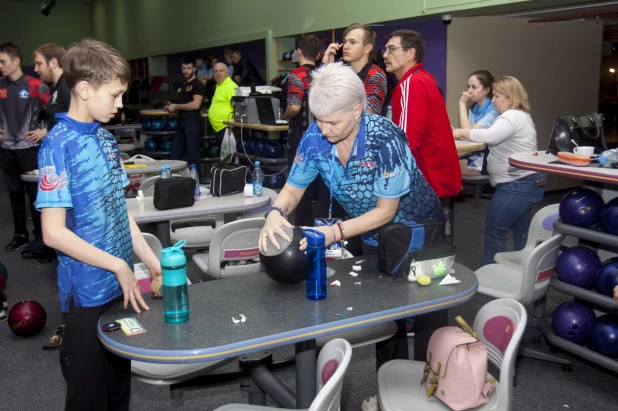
456	368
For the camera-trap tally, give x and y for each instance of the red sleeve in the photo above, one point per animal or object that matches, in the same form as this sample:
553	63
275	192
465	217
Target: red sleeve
296	90
414	112
375	88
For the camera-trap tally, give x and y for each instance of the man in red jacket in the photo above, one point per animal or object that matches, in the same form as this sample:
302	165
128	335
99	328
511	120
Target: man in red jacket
419	109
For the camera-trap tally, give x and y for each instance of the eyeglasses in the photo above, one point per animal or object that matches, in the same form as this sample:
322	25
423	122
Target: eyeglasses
389	49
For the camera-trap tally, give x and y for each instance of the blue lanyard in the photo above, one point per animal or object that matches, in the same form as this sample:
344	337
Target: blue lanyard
333	153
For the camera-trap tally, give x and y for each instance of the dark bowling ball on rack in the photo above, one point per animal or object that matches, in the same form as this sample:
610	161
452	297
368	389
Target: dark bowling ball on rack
608	277
572	320
604	336
239	146
288	265
166	145
213	150
202	150
257	147
249	143
581	207
152	144
271	149
273	179
27	318
147	125
578	266
172	124
158	124
609	217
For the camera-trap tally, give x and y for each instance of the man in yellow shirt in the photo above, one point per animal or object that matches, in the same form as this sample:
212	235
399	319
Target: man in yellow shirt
221	106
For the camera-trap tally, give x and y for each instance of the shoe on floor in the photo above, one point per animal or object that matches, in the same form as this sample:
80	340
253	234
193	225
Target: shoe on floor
4	311
19	241
371	404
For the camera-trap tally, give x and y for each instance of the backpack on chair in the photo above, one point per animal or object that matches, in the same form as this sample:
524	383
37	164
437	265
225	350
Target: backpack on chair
456	368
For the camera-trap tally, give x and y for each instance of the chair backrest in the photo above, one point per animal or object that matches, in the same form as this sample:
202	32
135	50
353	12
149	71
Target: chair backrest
147	186
500	324
142	157
542	227
235	241
538	269
332	364
124	156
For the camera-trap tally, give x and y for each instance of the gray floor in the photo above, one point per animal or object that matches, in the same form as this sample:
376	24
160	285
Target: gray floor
30	378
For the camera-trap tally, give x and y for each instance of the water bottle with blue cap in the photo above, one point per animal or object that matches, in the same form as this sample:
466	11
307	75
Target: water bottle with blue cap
316	264
175	295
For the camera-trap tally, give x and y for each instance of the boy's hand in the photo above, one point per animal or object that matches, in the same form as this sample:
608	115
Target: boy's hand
155	270
37	135
130	288
616	294
2	133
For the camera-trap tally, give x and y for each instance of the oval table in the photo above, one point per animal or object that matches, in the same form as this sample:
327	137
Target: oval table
466	146
152	167
153	112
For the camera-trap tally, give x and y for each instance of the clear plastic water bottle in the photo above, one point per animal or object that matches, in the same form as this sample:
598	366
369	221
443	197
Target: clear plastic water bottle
163	173
609	156
389	113
42	125
257	177
175	294
168	171
316	265
198	192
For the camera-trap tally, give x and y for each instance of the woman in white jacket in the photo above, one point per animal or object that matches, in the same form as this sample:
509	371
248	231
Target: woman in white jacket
516	190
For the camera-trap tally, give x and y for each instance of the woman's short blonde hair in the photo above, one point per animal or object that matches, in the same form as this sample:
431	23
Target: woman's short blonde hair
335	88
515	91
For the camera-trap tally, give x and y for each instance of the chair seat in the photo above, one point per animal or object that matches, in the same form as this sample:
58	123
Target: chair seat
197	236
513	258
249	407
499	280
167	374
399	389
476	179
363	336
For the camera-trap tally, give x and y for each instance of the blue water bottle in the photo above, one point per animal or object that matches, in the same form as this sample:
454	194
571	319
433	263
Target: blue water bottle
316	265
175	296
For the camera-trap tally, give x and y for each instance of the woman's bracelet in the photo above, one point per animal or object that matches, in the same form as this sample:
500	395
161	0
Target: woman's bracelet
334	235
278	208
341	230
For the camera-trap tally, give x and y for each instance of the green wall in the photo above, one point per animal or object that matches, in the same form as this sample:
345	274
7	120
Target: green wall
25	25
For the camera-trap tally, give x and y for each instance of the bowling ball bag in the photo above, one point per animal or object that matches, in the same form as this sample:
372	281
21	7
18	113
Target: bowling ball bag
227	178
175	192
400	244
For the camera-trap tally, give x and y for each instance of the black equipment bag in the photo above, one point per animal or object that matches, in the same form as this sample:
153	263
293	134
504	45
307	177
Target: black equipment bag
227	178
585	130
174	192
400	243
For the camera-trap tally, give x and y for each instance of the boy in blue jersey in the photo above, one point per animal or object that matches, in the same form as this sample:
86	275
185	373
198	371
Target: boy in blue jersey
85	218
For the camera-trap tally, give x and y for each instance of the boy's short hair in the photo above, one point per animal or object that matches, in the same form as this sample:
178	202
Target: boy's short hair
50	51
12	50
96	62
310	46
368	33
189	60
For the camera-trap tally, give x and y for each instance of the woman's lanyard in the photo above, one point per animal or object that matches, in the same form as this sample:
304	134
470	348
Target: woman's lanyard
333	154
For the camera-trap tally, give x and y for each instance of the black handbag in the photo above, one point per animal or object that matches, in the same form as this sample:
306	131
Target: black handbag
585	130
174	192
401	243
227	178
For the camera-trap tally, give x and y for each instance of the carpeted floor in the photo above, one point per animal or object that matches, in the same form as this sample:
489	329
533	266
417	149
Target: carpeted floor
30	378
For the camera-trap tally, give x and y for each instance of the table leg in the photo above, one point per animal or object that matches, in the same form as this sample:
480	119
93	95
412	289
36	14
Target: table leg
163	232
305	373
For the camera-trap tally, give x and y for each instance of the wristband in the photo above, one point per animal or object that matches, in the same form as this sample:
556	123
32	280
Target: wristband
334	234
341	230
281	211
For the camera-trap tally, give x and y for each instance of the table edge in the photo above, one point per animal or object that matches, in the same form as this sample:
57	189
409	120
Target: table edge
546	168
290	337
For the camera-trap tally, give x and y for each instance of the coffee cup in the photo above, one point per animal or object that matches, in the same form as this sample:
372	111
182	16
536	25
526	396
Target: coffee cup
584	151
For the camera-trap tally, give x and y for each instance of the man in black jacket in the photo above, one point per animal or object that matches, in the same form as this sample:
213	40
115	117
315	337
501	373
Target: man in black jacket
245	73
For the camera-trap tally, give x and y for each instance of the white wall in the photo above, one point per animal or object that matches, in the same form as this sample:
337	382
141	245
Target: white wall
558	64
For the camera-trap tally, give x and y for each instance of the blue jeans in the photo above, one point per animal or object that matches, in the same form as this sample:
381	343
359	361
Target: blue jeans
511	209
188	137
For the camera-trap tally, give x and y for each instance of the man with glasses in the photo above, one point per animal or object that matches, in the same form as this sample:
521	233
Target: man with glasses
358	43
419	109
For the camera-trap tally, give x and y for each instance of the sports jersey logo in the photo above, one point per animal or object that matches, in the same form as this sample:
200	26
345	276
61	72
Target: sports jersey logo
389	174
24	93
54	97
298	159
3	93
189	88
368	164
50	180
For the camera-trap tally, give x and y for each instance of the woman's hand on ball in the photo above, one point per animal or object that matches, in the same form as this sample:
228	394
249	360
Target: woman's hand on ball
272	226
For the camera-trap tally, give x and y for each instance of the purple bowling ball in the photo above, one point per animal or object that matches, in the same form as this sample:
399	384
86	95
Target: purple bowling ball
572	321
609	217
608	277
581	207
604	336
578	266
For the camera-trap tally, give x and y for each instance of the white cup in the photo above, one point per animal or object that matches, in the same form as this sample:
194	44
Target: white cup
584	150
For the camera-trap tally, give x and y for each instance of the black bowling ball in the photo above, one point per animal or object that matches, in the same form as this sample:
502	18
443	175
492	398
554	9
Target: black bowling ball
288	265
